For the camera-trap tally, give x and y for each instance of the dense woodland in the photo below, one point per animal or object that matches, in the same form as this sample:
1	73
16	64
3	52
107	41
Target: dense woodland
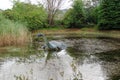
103	14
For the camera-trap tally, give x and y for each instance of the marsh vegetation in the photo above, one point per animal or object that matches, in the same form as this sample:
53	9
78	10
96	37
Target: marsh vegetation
12	33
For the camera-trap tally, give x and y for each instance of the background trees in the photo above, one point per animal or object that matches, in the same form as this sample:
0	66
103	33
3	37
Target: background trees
52	7
75	17
109	14
104	13
83	13
91	15
33	16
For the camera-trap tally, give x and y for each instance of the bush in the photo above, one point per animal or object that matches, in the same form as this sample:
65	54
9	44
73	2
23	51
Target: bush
34	16
12	33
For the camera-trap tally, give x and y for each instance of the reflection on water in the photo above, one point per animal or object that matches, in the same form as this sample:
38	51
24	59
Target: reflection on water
84	59
110	64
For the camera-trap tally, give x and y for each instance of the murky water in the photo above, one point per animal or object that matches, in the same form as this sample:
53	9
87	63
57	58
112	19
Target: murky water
83	59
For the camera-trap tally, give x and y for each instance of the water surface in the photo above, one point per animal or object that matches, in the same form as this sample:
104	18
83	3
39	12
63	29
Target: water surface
83	59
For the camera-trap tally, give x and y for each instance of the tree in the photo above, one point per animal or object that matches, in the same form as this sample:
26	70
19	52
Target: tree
33	16
92	15
75	17
91	11
109	14
52	7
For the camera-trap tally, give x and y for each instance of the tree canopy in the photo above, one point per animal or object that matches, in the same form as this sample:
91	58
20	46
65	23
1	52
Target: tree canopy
109	14
75	16
102	13
32	15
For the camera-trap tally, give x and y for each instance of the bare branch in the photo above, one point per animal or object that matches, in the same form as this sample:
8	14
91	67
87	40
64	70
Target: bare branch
52	6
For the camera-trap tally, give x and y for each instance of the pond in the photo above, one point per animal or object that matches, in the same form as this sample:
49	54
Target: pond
83	59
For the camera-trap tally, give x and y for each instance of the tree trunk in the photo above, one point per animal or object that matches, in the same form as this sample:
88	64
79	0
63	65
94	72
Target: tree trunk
50	20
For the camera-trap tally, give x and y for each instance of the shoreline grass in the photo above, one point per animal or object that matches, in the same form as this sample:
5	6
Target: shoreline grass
85	32
12	33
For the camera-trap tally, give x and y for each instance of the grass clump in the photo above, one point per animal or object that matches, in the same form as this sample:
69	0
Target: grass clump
12	33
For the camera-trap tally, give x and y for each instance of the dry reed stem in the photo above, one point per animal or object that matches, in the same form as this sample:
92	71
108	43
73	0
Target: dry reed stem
9	40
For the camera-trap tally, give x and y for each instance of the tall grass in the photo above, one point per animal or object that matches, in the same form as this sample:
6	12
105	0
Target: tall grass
12	33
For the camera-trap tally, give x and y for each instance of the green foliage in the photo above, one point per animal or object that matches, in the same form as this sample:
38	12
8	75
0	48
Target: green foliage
67	18
75	18
92	15
32	15
12	33
109	14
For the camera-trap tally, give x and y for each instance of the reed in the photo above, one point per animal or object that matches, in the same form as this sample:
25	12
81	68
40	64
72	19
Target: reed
12	33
